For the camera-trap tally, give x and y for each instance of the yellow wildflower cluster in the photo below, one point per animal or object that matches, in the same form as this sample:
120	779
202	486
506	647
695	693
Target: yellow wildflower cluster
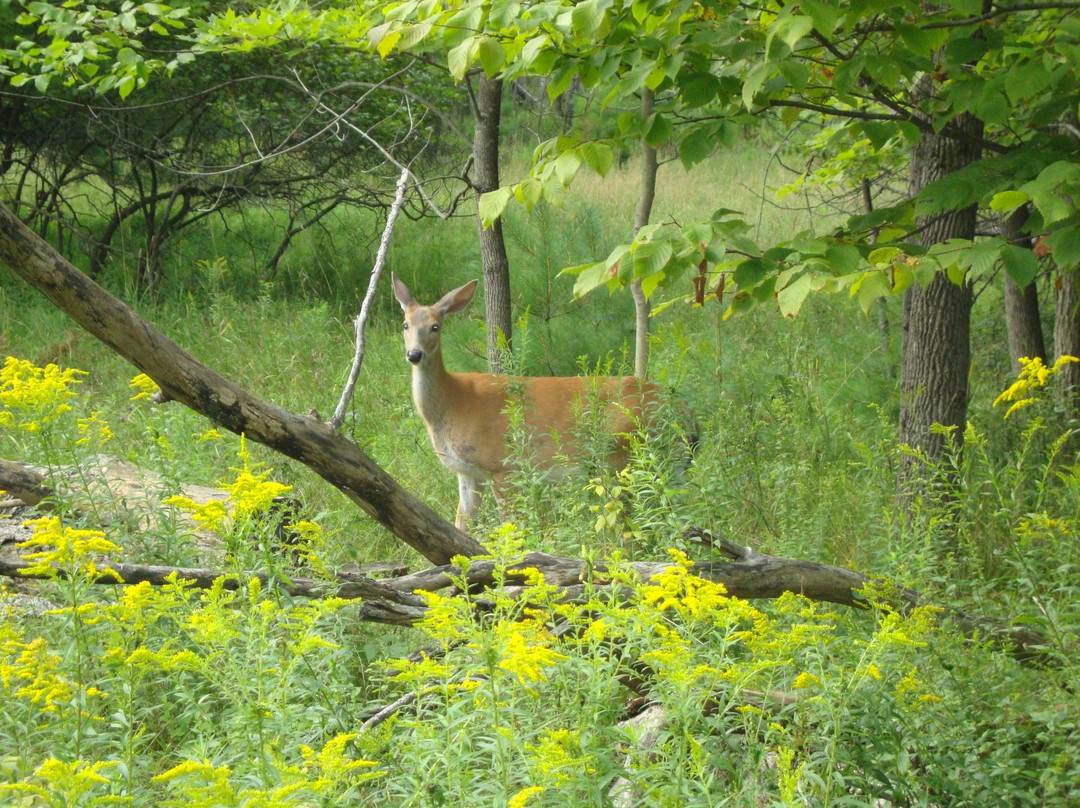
250	494
29	670
39	394
526	650
678	590
521	798
1032	378
143	386
94	431
65	783
333	764
203	785
558	758
70	549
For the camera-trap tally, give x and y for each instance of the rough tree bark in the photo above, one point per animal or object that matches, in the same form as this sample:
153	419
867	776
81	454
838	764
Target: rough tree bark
642	308
1067	337
496	266
936	349
20	483
1022	321
180	376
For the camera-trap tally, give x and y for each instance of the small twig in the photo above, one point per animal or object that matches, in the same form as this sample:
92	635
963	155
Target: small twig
388	711
361	319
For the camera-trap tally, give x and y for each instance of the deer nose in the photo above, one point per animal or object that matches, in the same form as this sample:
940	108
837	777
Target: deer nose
414	356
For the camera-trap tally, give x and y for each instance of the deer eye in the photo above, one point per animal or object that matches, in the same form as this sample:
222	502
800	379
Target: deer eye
405	325
435	327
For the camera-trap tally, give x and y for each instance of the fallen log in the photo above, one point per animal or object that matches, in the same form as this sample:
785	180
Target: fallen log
748	575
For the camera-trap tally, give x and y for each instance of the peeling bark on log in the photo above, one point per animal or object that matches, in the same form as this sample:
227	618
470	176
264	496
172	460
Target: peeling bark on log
183	378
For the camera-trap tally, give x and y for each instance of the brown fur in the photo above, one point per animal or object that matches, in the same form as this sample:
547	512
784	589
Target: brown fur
465	413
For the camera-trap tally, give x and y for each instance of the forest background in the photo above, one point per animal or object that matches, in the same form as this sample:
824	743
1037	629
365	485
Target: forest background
229	176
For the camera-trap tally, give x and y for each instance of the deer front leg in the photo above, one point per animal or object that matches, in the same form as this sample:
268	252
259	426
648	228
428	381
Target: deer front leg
468	500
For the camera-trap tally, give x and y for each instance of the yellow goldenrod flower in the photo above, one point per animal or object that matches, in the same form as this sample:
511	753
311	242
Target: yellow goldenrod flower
94	431
144	385
1032	378
70	548
40	394
524	659
522	797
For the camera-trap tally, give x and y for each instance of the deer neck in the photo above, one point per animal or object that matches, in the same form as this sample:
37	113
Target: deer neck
430	390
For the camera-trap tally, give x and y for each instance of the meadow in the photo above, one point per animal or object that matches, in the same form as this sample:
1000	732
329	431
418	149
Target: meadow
174	697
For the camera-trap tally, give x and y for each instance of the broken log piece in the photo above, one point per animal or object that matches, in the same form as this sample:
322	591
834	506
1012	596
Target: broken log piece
183	378
24	484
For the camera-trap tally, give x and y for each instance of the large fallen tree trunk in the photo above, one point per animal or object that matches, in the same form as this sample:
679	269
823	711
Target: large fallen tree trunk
180	376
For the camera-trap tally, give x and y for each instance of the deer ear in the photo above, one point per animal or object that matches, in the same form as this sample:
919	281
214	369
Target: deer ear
456	300
402	293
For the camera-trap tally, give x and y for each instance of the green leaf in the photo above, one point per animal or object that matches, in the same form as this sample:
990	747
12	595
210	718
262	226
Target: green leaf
492	55
650	283
696	146
698	89
754	80
1008	201
528	192
460	58
1020	263
822	13
589	277
587	16
598	156
1064	243
651	257
491	205
790	28
749	273
791	297
879	132
658	130
869	287
921	41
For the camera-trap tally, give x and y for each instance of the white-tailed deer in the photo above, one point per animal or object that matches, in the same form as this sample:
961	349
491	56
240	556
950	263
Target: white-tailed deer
466	415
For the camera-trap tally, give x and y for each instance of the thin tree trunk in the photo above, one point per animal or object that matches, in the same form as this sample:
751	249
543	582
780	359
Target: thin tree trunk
1022	321
493	259
936	349
1067	337
642	307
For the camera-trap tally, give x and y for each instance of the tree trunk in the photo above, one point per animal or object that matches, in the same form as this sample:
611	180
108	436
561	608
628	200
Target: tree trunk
1022	321
180	376
493	260
642	307
1067	337
936	350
